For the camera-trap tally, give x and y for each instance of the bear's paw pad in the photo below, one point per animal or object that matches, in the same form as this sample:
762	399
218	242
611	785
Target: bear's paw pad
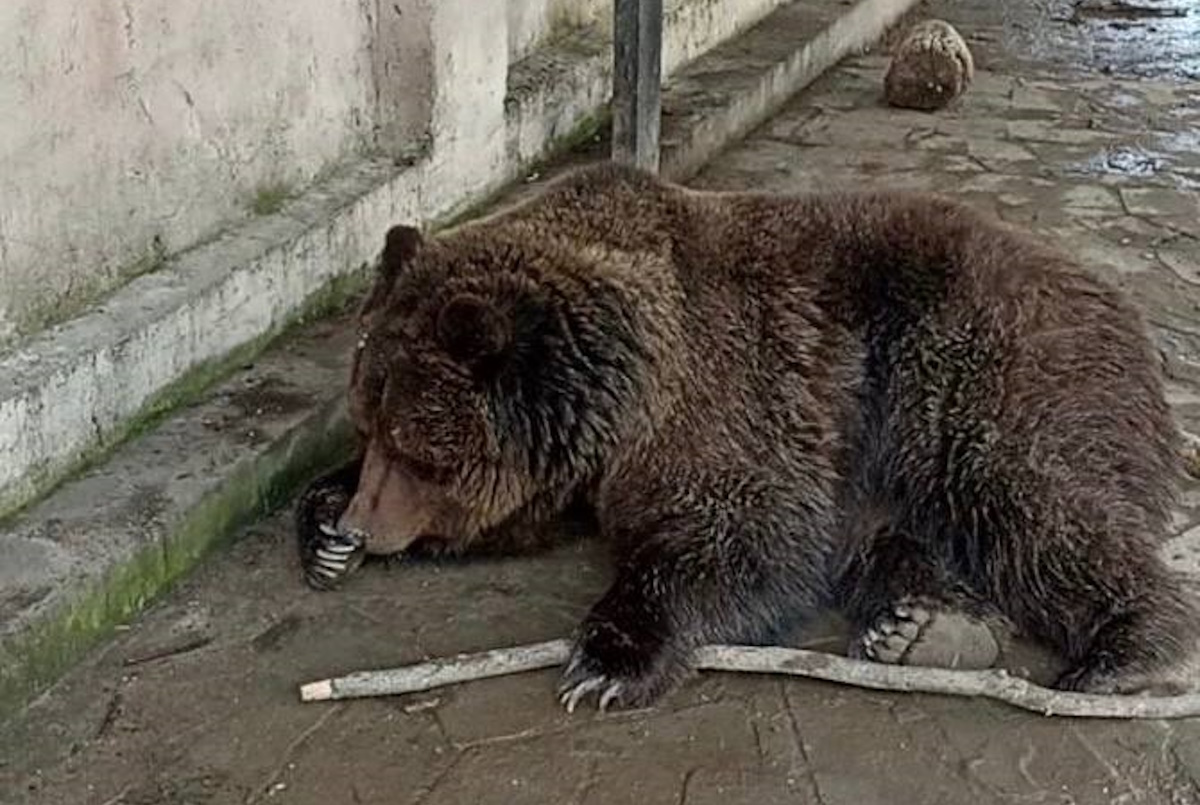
923	634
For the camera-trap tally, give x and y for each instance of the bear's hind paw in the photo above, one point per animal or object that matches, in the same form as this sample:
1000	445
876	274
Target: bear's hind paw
913	632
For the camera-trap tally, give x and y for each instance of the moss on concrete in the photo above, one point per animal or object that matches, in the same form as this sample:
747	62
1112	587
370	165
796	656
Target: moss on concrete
35	660
584	137
269	199
38	658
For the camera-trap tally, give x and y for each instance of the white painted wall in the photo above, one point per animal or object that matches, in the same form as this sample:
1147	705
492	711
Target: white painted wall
130	130
123	122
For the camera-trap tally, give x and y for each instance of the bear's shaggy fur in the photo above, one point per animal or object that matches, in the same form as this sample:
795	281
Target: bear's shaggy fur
774	404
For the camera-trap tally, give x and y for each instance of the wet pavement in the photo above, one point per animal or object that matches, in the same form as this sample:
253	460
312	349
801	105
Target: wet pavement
1143	38
196	702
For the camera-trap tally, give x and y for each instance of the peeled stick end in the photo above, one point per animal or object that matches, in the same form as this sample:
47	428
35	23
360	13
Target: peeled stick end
317	691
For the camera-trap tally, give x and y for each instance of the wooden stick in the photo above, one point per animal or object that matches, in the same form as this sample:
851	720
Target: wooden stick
991	684
436	673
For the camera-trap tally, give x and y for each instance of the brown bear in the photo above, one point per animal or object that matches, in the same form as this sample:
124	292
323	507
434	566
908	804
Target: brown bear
883	402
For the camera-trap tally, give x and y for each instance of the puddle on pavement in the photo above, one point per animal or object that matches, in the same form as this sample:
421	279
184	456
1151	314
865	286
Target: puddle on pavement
1124	162
1127	11
1145	38
1135	161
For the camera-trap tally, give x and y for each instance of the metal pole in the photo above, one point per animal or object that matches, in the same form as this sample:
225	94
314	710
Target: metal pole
637	82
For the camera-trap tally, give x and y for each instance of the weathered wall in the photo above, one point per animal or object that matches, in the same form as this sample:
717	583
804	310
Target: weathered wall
533	22
133	129
689	26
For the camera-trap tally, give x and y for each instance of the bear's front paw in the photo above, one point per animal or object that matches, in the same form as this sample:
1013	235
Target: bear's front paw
332	558
326	555
624	667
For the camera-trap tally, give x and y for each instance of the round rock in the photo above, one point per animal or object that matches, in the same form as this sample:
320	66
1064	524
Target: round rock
931	67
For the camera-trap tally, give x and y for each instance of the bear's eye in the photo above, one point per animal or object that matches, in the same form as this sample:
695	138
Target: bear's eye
420	467
425	471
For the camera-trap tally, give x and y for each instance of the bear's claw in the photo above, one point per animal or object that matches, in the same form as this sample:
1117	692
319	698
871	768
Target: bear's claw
608	691
622	668
573	693
333	557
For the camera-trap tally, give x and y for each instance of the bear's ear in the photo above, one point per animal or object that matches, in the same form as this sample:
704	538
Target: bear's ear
472	329
400	245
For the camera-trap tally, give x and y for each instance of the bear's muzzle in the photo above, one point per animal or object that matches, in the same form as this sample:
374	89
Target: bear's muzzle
391	509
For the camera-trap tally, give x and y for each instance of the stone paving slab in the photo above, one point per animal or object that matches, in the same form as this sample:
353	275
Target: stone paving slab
196	702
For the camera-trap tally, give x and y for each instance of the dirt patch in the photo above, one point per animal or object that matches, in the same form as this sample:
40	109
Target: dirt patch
246	410
17	601
274	636
268	396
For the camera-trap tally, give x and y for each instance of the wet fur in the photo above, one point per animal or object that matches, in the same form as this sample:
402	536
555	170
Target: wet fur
780	403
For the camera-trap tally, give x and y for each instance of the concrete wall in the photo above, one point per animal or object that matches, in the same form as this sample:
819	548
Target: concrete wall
129	130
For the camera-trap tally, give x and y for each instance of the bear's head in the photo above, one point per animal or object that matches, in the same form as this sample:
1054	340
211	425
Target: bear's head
491	375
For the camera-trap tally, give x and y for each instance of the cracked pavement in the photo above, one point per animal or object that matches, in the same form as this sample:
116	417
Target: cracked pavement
196	701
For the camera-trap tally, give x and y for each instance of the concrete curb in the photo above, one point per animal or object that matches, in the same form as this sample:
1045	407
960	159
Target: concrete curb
721	96
101	547
98	549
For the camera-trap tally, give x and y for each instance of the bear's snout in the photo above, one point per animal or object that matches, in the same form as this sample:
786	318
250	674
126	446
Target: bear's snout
390	510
